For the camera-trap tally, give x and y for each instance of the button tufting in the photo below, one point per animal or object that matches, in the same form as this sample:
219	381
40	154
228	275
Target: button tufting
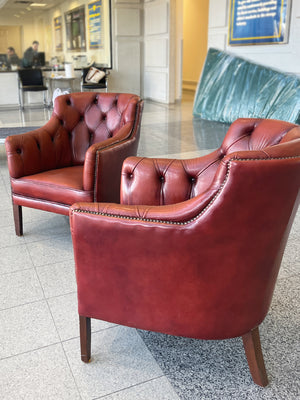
162	178
61	122
81	118
68	102
96	101
192	179
18	151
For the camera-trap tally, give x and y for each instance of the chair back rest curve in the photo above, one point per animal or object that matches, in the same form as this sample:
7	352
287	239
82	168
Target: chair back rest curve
248	136
87	118
31	77
176	181
78	121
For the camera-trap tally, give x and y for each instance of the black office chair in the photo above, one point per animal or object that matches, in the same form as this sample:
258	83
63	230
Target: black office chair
102	84
31	80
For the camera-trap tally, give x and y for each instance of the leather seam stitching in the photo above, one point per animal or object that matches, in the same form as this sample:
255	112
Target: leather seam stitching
198	215
19	196
136	124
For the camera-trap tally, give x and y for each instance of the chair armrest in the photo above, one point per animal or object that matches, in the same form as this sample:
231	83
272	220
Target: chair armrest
103	164
33	152
156	181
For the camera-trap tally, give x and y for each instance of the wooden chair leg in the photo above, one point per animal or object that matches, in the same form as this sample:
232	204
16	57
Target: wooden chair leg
18	218
255	357
85	338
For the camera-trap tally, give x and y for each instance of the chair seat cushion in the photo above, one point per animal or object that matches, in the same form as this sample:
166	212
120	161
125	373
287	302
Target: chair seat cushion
64	186
34	88
99	85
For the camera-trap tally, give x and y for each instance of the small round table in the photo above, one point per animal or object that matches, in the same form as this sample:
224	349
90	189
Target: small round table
54	83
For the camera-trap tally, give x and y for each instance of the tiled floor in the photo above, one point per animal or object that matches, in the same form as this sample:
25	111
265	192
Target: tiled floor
39	337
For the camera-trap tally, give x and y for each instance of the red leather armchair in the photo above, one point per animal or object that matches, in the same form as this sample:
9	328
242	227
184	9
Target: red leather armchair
195	246
77	155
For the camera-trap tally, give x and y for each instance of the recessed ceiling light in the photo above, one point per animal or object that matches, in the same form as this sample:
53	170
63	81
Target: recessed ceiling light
38	5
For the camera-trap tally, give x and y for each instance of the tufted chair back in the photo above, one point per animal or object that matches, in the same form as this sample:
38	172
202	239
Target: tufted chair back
174	181
77	154
83	119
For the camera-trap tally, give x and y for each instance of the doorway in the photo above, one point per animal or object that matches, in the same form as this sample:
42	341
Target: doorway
195	37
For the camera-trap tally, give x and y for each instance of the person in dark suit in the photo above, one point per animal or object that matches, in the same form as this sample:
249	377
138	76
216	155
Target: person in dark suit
12	57
30	55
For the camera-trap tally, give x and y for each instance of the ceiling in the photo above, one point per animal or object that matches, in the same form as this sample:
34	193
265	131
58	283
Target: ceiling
24	8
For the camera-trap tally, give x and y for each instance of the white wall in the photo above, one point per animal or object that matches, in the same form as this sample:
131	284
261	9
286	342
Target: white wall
282	57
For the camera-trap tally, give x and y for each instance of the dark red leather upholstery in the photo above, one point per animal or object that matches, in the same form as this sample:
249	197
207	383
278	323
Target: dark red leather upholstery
173	181
78	154
195	247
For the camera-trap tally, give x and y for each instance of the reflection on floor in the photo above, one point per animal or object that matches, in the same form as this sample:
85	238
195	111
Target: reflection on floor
39	343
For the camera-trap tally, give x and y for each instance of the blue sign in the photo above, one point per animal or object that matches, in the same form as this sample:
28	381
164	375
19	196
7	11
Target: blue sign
95	15
257	21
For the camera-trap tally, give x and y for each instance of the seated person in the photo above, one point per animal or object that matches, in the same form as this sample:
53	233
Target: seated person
12	57
31	55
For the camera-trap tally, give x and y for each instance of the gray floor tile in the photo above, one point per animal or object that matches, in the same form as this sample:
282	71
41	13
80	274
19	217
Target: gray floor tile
15	258
6	218
8	238
41	374
158	389
119	360
18	288
54	250
291	259
26	328
47	228
35	215
6	179
214	370
57	279
5	200
40	224
65	315
295	230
